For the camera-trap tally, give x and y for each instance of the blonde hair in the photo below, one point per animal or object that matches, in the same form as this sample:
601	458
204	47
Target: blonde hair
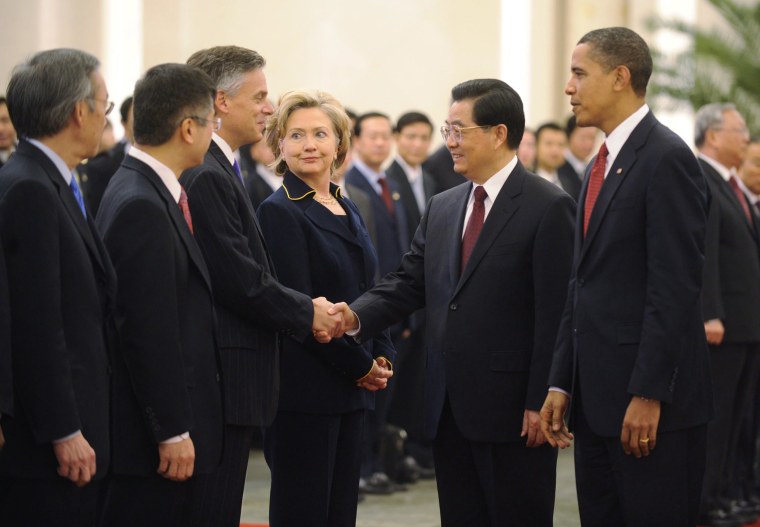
297	100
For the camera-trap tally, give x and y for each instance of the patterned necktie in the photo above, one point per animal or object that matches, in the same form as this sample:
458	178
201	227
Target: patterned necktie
77	194
237	170
474	225
185	208
386	195
594	185
740	196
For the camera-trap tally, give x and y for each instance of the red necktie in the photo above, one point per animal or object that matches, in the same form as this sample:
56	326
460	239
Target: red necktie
740	196
594	185
386	195
474	225
185	209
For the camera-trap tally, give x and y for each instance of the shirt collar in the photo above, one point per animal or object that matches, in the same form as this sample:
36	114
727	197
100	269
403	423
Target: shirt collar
720	168
412	174
164	173
579	165
622	132
496	182
57	160
368	172
225	148
551	177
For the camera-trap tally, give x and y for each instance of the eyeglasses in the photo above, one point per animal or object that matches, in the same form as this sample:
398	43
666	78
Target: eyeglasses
457	130
216	122
109	104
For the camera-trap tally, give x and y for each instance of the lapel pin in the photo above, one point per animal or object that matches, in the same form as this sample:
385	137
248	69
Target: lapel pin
619	171
396	196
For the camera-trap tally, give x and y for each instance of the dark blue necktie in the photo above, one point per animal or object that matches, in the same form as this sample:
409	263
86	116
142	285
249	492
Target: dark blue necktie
77	194
237	170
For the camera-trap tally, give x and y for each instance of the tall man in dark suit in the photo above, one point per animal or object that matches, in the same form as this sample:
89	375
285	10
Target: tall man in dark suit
493	301
251	306
580	146
730	298
98	171
631	348
60	292
550	144
167	404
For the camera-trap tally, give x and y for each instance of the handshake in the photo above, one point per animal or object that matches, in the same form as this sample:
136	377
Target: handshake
333	321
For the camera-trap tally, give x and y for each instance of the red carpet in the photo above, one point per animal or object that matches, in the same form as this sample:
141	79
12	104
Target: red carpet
254	525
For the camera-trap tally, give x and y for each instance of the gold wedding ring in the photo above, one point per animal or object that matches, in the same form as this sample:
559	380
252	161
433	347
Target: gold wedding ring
644	441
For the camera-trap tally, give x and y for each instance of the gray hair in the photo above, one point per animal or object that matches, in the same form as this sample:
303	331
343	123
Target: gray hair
226	65
44	90
709	116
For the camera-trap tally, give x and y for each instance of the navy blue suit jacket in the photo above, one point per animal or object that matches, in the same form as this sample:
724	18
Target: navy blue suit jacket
316	253
633	320
491	327
166	379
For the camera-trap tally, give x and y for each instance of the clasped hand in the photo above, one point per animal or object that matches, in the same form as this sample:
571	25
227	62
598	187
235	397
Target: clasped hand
377	378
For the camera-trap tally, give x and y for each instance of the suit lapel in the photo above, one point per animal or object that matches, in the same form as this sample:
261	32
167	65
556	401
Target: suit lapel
504	206
728	195
454	229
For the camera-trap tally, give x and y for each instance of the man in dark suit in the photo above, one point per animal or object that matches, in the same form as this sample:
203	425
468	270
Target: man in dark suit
580	145
6	365
260	180
60	292
251	306
167	406
97	172
631	348
550	144
493	301
730	299
7	133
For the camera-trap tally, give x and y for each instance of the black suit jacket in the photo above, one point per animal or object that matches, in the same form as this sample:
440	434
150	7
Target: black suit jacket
98	171
412	211
569	180
61	292
6	365
490	328
166	380
258	189
633	323
390	231
731	289
316	253
441	166
251	305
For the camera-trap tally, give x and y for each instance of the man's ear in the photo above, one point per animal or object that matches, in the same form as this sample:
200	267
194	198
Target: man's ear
502	134
622	78
187	131
221	102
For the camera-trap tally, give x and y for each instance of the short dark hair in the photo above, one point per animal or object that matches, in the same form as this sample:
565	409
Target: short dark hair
44	90
3	100
495	103
124	108
167	94
571	125
410	118
547	126
226	65
368	115
619	46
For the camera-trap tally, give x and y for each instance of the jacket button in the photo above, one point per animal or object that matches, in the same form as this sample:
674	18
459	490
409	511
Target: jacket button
581	281
218	378
454	307
362	286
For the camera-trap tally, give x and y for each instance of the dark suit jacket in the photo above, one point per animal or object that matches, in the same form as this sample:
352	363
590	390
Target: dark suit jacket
251	305
166	380
6	373
390	231
363	202
731	289
490	331
61	292
413	216
441	166
258	189
97	172
569	179
633	323
316	253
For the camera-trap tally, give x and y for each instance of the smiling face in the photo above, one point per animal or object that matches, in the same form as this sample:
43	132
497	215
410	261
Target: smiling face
476	155
310	145
591	90
244	114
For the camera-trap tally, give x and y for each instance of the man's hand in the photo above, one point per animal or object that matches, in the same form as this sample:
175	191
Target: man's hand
350	322
326	325
552	419
176	460
377	378
714	331
76	460
532	428
639	435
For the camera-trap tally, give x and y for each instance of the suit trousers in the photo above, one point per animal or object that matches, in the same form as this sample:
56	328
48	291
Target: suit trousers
147	501
483	484
660	490
314	459
741	458
217	498
35	502
726	364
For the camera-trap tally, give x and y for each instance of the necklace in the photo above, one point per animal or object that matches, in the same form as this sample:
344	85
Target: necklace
325	201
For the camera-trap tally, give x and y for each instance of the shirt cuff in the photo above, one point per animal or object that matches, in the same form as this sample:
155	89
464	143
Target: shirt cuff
66	438
355	332
560	390
176	439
